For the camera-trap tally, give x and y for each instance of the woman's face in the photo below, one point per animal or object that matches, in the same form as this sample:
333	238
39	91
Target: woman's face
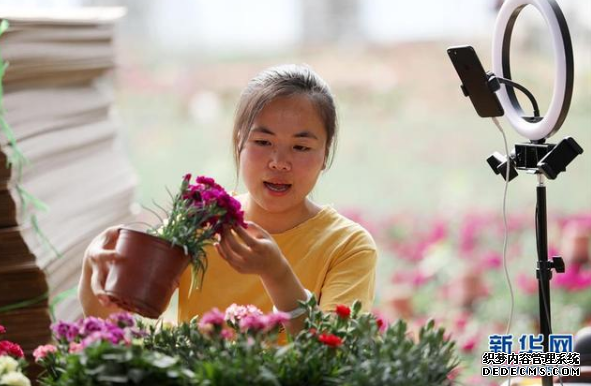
284	154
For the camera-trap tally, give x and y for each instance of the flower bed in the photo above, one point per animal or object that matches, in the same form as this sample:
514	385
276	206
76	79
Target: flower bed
451	269
11	363
240	347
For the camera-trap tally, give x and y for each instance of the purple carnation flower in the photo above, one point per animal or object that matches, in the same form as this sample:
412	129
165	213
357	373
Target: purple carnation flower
122	319
90	325
209	182
65	331
114	335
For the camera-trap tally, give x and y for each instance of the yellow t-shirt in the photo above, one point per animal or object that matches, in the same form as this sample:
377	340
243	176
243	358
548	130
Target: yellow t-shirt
333	257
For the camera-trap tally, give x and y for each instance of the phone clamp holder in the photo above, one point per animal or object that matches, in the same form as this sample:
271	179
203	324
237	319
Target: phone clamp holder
537	158
494	84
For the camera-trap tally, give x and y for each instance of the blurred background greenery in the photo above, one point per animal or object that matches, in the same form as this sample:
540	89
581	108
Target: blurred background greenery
409	140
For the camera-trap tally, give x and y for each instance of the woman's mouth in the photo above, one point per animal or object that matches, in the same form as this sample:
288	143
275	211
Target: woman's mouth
277	189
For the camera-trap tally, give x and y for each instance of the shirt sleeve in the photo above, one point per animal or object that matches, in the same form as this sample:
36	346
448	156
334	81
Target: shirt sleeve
352	276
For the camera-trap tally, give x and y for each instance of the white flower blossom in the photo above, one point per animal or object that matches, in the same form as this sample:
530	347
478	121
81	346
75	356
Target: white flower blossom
14	378
7	364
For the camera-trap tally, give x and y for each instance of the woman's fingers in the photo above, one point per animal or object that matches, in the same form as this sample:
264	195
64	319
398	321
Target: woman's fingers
230	259
103	247
252	226
104	256
97	284
107	239
251	241
111	236
229	253
233	243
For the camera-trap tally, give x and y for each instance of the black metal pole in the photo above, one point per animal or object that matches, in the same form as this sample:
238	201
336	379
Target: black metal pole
544	273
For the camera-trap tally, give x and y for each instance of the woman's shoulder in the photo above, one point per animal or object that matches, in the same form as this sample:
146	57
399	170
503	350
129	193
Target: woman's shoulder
334	225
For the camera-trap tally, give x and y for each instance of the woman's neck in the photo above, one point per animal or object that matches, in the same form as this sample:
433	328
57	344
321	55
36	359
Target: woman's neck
277	222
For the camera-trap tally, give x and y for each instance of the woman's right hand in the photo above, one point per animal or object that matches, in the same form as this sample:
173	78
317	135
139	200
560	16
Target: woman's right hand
97	262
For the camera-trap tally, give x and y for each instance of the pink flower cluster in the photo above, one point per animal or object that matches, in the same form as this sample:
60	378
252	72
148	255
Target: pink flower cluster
575	278
118	329
207	193
10	348
42	351
235	313
264	323
243	318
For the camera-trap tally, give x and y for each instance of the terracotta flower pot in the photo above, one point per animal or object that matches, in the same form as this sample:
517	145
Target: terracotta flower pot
147	274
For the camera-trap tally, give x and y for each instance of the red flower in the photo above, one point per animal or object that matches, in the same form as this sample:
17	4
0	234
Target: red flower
12	349
380	323
330	340
343	311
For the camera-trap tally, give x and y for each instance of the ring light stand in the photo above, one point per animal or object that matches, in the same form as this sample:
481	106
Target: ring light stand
535	157
563	76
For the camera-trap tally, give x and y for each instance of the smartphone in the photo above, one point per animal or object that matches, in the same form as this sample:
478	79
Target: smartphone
474	81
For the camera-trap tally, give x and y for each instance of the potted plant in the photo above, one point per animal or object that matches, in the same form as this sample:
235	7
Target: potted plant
143	279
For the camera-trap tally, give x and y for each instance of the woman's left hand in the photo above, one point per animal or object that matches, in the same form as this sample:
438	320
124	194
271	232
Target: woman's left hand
259	254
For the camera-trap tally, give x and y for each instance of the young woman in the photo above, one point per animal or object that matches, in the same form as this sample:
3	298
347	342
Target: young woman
284	135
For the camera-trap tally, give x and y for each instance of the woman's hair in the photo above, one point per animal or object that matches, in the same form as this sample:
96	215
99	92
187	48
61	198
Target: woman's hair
284	81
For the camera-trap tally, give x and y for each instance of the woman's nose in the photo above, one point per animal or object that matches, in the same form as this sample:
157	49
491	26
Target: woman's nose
279	161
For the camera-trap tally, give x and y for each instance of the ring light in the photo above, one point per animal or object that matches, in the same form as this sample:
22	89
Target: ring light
496	97
564	74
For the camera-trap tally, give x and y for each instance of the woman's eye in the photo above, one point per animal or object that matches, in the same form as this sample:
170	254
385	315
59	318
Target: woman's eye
261	142
301	148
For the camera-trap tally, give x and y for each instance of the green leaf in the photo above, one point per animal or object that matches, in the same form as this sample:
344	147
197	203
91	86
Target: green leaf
3	26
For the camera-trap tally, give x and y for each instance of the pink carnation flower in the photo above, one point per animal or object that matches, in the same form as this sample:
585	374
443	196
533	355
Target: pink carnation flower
75	348
492	260
275	319
42	351
235	313
469	345
253	323
228	334
574	279
213	317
